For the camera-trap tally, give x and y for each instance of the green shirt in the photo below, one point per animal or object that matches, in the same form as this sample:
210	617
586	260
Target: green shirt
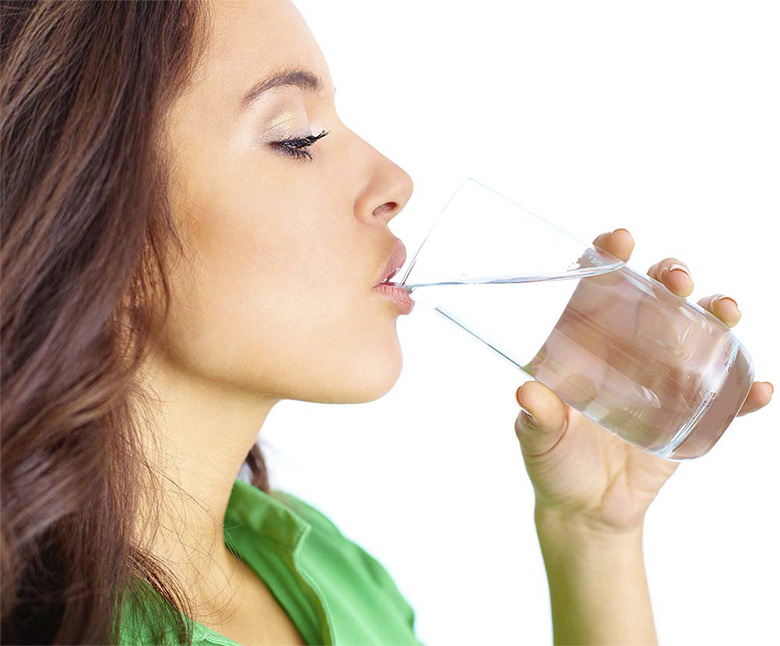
332	589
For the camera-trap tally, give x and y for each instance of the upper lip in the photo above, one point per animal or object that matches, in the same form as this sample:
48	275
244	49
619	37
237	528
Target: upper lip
394	262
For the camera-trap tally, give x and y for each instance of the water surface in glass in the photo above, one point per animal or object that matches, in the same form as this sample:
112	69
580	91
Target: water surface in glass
663	374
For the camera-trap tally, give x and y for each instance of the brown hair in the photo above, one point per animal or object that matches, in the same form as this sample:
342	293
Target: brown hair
86	233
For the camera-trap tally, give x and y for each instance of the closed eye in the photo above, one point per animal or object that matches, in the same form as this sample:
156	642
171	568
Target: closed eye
295	146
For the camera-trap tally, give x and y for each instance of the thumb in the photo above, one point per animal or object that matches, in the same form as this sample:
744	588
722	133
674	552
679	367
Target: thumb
542	420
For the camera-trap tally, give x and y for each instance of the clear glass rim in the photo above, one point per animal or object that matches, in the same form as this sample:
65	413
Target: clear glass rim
604	262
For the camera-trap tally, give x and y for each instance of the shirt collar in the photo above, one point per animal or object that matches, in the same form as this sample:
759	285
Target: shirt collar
265	514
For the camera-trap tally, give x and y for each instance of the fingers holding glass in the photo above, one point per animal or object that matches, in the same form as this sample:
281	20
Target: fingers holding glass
759	396
675	276
723	307
619	243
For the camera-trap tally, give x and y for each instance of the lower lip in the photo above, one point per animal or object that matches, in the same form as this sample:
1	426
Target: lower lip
398	295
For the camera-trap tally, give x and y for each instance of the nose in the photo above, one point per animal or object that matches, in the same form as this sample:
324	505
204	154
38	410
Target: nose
400	188
387	189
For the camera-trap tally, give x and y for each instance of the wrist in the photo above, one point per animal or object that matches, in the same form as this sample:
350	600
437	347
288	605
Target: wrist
572	544
598	587
554	523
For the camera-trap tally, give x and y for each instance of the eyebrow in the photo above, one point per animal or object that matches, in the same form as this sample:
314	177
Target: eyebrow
304	79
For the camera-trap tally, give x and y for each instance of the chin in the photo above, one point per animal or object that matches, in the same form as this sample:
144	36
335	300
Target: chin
368	377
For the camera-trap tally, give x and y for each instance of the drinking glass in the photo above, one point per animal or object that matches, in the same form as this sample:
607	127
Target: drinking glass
661	373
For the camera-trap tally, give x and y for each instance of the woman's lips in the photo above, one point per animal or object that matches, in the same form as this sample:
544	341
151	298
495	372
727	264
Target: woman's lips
394	262
398	295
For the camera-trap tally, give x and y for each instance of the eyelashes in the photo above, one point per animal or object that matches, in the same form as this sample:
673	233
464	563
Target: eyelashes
296	146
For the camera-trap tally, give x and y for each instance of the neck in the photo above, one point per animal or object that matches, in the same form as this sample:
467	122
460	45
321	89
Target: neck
197	435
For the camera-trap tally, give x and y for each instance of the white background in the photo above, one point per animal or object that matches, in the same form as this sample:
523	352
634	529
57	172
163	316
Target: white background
658	117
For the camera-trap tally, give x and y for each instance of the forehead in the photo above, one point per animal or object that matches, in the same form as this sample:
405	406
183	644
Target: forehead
250	38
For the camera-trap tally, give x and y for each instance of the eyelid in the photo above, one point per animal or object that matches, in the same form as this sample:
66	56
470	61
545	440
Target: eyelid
285	118
295	146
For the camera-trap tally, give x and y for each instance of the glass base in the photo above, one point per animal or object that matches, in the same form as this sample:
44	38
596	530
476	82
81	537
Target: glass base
718	413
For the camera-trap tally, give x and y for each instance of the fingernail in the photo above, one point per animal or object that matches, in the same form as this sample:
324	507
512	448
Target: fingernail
675	267
523	408
728	298
771	386
528	412
620	229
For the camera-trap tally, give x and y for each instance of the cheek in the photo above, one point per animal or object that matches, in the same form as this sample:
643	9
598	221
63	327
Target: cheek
327	345
284	311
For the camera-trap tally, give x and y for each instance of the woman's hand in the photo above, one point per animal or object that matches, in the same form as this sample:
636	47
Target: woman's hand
581	470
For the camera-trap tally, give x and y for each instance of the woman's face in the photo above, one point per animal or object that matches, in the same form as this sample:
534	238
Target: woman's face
278	299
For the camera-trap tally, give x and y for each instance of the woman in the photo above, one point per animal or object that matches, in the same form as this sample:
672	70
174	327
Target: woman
191	235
